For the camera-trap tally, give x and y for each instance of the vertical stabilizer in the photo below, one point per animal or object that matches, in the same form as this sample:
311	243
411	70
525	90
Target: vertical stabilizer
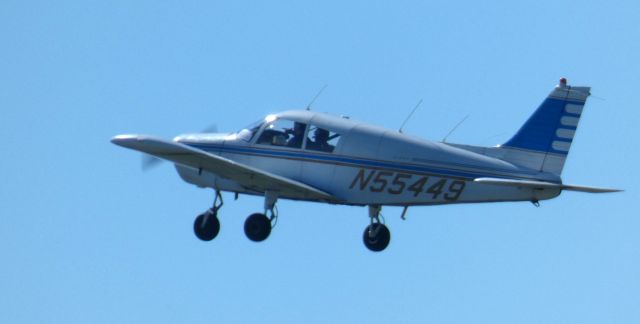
549	132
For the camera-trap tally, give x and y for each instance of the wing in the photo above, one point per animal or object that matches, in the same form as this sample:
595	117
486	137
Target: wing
249	177
542	185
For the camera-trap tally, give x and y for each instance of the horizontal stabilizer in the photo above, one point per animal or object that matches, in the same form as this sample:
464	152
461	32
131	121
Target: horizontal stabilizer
247	176
533	184
589	189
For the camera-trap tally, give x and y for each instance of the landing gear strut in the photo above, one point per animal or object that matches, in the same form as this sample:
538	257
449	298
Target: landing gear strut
207	225
376	236
258	226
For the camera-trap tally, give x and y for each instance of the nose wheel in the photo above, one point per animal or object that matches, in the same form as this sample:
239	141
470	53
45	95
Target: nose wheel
207	226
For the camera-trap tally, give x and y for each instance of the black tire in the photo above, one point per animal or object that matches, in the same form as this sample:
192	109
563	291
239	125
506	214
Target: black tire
380	240
257	227
208	231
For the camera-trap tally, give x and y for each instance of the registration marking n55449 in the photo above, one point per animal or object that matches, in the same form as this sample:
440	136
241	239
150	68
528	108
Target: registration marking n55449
398	183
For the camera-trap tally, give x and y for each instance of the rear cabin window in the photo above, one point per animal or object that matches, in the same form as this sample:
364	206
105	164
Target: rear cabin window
322	140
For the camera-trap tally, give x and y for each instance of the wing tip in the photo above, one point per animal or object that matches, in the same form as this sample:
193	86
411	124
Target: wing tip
125	138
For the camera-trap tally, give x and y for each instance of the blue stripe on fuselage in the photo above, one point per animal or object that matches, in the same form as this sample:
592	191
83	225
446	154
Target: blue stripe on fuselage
359	162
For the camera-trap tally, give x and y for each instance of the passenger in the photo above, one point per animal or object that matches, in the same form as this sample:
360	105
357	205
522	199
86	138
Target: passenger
298	135
320	143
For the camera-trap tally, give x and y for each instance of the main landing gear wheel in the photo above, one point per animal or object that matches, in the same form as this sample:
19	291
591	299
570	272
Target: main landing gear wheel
376	237
207	225
257	227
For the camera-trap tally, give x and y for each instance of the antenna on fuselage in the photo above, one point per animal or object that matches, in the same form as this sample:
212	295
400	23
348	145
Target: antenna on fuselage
410	114
316	97
444	140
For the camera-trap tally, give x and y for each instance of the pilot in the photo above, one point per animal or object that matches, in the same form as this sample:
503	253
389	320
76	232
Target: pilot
298	135
321	138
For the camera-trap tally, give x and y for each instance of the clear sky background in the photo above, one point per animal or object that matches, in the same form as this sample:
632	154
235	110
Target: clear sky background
87	237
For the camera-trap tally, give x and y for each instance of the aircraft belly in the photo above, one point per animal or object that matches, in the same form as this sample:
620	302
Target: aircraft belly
365	186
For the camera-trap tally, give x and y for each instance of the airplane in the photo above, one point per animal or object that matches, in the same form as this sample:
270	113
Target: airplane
312	156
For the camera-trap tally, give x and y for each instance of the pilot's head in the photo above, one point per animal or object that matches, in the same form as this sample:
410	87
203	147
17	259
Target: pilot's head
298	128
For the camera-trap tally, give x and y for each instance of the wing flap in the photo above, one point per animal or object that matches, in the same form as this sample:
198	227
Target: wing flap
247	176
542	185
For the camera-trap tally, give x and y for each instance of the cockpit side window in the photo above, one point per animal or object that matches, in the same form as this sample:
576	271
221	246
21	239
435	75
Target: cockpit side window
322	140
285	133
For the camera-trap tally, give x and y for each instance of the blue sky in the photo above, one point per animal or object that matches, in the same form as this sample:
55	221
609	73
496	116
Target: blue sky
86	236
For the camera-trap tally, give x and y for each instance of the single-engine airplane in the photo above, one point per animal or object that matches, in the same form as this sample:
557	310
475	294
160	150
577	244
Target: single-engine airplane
311	156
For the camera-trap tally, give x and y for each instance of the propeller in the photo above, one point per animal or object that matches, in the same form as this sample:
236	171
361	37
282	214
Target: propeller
213	128
149	161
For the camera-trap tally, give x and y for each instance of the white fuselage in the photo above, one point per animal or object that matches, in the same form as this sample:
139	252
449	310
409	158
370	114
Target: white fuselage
371	166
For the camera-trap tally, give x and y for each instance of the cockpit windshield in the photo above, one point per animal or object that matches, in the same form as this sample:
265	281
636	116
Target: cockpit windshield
247	133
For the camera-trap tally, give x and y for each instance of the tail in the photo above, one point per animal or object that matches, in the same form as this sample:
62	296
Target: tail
543	142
